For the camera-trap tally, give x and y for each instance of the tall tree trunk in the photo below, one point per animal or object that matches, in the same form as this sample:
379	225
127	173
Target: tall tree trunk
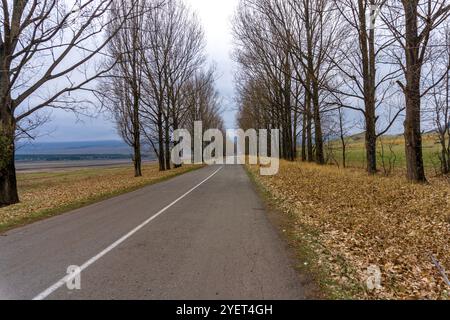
444	160
342	134
344	152
313	87
167	144
320	156
309	122
176	127
448	149
448	153
309	77
371	146
8	182
304	157
295	136
162	164
288	108
137	136
445	130
313	75
413	135
446	142
367	47
371	134
137	159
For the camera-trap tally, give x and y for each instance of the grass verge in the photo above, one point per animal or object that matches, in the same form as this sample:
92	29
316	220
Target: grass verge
343	222
44	195
305	244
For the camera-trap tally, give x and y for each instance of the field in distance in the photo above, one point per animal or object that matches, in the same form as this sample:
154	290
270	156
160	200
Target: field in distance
394	151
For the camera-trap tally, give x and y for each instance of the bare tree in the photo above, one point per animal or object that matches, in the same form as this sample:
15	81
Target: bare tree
315	36
47	51
122	87
262	52
343	132
438	99
289	44
363	77
172	53
412	23
186	57
319	37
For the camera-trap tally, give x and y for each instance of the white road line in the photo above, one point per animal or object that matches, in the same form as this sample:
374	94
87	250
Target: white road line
90	262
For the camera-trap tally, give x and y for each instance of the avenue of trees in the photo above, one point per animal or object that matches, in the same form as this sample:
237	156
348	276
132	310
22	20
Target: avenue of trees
306	64
144	61
159	82
305	67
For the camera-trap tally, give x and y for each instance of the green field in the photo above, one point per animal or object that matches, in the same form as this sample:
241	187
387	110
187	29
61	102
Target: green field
394	151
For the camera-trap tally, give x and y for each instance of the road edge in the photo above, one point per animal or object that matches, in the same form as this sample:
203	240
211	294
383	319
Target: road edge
281	223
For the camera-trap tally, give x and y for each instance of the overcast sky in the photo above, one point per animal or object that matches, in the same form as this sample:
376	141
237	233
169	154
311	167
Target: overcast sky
215	16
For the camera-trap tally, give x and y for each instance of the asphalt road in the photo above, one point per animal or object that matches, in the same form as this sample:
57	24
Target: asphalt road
203	235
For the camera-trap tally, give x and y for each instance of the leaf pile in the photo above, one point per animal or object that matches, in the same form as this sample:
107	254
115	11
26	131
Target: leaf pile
45	194
359	221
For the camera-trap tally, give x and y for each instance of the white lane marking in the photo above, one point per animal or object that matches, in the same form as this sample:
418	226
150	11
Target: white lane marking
90	262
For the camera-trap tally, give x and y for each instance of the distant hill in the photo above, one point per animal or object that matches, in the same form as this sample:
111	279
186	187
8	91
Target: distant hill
74	148
362	136
75	151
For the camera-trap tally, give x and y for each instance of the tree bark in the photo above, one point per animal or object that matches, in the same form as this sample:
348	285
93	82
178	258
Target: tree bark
413	135
176	143
8	182
137	135
304	156
167	144
367	47
342	134
137	160
313	86
444	161
309	127
288	109
320	156
371	147
295	135
162	164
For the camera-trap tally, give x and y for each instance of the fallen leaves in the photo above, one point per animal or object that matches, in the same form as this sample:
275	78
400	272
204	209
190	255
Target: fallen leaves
365	221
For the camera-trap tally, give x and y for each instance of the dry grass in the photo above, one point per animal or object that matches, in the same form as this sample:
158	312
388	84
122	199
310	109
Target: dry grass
47	194
352	221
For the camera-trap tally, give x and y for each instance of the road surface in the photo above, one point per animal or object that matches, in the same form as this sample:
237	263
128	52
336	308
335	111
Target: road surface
203	235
